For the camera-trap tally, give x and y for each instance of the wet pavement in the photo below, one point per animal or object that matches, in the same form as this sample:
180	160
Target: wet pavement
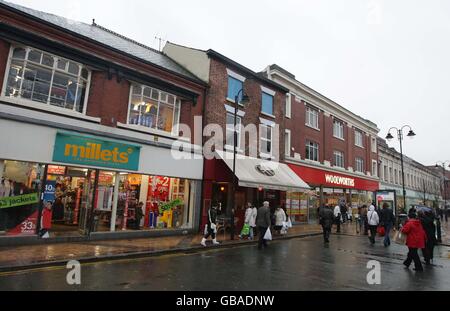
35	255
294	264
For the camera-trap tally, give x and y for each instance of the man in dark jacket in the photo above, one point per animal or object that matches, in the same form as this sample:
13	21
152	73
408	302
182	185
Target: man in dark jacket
387	220
427	220
326	217
263	222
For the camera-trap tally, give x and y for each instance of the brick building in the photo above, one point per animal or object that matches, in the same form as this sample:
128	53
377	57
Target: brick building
265	111
328	146
88	118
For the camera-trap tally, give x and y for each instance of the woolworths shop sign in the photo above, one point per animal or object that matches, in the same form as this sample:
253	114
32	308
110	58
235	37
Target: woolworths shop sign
93	151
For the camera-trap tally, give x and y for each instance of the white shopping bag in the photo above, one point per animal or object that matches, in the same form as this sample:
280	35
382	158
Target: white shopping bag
268	235
289	223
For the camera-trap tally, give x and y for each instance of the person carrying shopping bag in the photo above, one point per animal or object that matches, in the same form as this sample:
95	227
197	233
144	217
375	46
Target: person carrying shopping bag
249	223
263	222
211	227
372	220
280	219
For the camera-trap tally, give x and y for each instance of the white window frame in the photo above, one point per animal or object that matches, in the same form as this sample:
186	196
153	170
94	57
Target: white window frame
359	162
315	146
28	103
374	144
287	143
230	128
288	105
175	130
357	133
338	130
374	168
312	114
261	138
338	154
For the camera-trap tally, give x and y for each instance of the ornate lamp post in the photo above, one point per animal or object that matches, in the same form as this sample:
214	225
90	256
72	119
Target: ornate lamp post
389	137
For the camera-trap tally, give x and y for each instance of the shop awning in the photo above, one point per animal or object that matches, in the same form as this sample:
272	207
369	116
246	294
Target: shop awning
256	173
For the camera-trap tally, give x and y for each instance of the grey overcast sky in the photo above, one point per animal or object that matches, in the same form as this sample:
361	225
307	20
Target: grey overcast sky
388	61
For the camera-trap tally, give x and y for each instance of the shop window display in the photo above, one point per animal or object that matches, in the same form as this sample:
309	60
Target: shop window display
302	206
20	188
152	202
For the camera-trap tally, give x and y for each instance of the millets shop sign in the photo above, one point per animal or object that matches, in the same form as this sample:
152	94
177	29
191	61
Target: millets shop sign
93	151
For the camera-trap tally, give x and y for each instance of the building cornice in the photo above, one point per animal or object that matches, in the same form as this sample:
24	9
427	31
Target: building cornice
314	98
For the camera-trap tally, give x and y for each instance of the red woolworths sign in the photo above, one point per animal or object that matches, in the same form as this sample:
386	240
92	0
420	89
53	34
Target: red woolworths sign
316	177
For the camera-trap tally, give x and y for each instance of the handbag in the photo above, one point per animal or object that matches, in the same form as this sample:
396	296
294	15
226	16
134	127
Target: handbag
268	235
381	231
400	238
245	229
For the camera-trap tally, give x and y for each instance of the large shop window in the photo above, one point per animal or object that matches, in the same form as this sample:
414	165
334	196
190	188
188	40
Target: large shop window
46	78
20	188
154	109
153	202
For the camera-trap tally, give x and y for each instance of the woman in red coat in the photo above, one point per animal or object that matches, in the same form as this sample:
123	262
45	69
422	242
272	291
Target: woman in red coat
415	240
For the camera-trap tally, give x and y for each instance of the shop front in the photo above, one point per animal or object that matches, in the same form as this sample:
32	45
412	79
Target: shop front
258	180
87	185
330	188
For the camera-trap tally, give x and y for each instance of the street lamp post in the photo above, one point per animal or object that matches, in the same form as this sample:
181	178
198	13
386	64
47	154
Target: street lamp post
244	101
389	137
442	164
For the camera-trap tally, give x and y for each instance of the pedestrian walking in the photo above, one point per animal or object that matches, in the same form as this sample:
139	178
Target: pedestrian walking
427	220
280	219
248	219
263	222
364	219
337	218
373	220
415	240
387	220
211	227
326	217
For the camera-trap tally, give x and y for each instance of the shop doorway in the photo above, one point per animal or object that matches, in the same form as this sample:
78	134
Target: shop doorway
71	191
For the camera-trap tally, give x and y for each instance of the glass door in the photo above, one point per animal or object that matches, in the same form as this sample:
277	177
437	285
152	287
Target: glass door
86	219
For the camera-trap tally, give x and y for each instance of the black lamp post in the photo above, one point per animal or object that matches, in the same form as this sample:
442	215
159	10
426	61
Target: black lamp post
389	137
442	164
244	101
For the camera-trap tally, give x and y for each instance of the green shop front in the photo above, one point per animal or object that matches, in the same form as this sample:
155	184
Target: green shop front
96	186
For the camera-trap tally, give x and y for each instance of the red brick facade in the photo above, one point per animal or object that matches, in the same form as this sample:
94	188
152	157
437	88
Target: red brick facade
217	98
328	143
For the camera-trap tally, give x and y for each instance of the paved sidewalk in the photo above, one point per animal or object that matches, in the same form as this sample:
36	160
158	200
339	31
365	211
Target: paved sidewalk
34	256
